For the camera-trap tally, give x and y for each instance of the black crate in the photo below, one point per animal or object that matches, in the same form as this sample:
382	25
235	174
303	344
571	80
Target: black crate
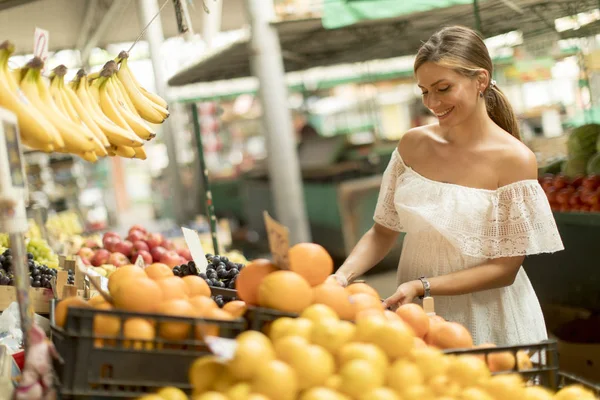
569	379
119	371
259	318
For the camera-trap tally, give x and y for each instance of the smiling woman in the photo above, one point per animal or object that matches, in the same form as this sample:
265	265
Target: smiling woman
464	190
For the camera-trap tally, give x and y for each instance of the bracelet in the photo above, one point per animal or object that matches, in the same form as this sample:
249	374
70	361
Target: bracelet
426	288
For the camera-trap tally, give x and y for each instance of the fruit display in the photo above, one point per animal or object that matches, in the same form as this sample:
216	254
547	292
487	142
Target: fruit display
65	223
583	145
221	272
319	356
39	275
116	251
95	115
154	290
37	247
578	194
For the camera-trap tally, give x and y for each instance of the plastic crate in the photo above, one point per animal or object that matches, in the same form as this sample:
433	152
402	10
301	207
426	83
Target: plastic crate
114	369
259	318
569	379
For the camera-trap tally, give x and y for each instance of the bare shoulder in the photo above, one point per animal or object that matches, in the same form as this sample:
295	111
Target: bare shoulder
517	163
414	140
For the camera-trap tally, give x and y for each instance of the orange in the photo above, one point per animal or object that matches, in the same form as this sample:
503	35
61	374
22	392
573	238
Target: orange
275	380
404	373
498	362
94	301
236	308
173	287
124	273
138	330
250	278
419	343
138	294
175	330
450	335
370	312
311	261
62	308
362	288
336	297
196	286
363	301
285	291
106	325
391	316
395	338
202	305
416	317
203	329
467	370
158	271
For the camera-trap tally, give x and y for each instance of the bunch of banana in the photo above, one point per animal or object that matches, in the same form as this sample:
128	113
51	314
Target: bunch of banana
36	129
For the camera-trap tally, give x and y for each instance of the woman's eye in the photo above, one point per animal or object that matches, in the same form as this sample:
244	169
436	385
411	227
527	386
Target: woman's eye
444	89
424	93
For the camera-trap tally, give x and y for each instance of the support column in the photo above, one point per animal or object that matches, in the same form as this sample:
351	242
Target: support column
211	24
284	168
147	9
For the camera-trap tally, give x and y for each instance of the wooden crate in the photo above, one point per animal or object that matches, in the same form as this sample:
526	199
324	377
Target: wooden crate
39	298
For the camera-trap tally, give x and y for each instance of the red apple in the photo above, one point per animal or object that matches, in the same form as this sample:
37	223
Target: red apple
141	245
182	260
136	235
101	257
185	253
124	247
560	181
138	228
92	244
154	240
171	258
157	253
146	256
85	261
111	234
563	195
591	182
118	259
86	252
167	244
110	243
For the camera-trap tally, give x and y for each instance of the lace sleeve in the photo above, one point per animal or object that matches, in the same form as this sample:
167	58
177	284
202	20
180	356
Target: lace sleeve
385	211
518	222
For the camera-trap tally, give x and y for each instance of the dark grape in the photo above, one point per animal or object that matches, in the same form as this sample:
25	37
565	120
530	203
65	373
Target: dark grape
222	274
220	284
29	256
185	271
224	259
176	271
220	302
214	282
208	281
209	256
212	275
36	284
192	268
202	275
233	273
231	284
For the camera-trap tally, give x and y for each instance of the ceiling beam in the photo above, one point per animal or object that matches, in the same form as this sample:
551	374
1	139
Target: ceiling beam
116	8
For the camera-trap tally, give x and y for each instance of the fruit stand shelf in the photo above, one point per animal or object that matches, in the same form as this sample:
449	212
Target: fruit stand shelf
578	218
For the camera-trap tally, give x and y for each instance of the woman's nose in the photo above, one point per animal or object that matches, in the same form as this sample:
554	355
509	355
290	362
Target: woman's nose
431	101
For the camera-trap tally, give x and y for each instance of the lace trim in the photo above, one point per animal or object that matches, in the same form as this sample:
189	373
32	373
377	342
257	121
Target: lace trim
385	211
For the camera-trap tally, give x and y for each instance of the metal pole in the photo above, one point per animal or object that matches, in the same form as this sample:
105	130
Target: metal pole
284	168
477	16
207	197
147	9
211	24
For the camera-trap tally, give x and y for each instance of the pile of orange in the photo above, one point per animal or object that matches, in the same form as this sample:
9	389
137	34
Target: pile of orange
153	290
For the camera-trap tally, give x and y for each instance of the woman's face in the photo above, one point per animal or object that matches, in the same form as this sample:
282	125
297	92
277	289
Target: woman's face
453	98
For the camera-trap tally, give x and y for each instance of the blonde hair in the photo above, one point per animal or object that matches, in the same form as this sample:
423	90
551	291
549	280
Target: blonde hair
463	50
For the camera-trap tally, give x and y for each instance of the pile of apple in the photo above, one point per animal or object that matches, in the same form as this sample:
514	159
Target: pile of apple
116	251
579	194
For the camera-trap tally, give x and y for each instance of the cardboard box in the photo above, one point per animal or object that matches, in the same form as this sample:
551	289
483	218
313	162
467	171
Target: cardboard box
38	297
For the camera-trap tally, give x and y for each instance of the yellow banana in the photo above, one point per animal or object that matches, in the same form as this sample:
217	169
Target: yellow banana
124	96
75	139
146	108
85	116
45	147
108	106
124	151
58	100
140	153
38	131
88	156
137	124
115	134
156	99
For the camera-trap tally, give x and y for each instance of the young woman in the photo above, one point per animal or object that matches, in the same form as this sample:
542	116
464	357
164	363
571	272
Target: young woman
465	191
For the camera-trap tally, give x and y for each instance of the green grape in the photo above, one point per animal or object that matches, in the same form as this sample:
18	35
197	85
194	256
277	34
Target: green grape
4	240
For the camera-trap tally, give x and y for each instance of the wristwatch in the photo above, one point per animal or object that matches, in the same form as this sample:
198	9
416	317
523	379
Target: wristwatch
426	288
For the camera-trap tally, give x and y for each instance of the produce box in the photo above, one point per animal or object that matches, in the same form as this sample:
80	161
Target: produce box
118	368
260	318
39	298
577	334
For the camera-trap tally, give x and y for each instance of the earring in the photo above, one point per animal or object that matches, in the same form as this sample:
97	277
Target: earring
481	94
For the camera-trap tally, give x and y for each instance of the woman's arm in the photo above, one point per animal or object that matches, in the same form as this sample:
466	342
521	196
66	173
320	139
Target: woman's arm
492	274
370	249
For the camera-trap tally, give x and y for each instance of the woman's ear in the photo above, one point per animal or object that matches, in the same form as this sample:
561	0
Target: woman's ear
483	80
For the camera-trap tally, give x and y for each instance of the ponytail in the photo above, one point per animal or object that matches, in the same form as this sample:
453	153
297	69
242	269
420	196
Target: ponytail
500	110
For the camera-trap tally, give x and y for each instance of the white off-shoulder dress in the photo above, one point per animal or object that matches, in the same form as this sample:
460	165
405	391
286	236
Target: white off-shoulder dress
451	227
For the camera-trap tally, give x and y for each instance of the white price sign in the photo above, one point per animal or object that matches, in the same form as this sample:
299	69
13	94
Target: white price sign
193	243
40	44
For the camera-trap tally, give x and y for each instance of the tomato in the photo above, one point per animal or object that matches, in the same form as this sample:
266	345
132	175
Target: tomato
591	182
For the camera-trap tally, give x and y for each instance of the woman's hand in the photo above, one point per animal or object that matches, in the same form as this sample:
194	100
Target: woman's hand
337	279
406	293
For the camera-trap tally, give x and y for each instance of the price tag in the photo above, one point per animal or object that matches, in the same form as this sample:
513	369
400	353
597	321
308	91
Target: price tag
221	347
40	44
279	241
139	261
193	243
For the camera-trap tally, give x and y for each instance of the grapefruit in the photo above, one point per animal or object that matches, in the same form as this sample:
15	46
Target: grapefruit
173	287
336	297
250	278
285	291
450	335
140	333
311	261
138	294
362	288
174	330
62	309
124	273
416	317
236	308
158	271
196	286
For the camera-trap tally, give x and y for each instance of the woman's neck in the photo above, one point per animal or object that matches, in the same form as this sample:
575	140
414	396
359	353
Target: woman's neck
471	130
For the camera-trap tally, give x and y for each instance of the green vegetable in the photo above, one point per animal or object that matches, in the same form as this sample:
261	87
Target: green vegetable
593	165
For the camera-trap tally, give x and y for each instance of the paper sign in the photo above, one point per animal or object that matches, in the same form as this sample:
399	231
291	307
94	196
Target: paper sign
139	261
193	243
221	347
279	241
40	44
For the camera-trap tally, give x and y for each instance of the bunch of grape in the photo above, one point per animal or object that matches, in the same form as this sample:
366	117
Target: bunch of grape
185	269
221	301
221	272
42	253
39	275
